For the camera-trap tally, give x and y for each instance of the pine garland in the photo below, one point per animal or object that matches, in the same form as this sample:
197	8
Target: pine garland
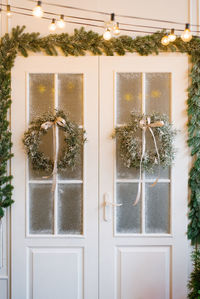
80	43
194	282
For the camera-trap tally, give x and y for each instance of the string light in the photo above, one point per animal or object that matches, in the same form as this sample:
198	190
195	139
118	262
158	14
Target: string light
52	26
172	36
186	36
8	11
37	11
116	30
61	22
107	34
165	40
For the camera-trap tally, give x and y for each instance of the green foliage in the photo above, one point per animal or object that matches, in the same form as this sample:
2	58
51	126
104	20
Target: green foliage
130	141
194	282
73	142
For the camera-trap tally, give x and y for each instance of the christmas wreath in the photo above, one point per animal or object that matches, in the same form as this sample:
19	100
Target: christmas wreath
132	141
73	142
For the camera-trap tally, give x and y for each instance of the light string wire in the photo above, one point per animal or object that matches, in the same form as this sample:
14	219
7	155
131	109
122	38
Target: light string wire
93	20
74	22
77	23
117	15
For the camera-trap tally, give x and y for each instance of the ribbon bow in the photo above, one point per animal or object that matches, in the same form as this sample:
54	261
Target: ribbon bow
48	124
145	124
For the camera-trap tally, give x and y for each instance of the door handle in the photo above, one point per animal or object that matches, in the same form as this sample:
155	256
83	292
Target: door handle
108	205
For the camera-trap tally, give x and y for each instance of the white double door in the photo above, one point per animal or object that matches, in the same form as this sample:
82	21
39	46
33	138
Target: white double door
89	241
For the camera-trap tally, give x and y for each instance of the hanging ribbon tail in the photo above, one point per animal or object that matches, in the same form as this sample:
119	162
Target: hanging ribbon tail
54	159
143	127
48	124
156	147
138	194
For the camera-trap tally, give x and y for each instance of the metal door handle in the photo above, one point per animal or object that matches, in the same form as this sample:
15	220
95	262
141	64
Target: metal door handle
107	207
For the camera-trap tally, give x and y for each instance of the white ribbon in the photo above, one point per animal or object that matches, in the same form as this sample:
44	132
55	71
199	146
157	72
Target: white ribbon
48	124
145	124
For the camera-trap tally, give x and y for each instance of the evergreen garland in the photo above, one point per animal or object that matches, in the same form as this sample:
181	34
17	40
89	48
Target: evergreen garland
80	43
194	282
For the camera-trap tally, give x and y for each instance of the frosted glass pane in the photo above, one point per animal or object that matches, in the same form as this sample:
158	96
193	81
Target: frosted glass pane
158	92
70	95
46	147
124	172
40	209
128	216
70	209
128	95
158	208
164	173
41	94
150	146
77	172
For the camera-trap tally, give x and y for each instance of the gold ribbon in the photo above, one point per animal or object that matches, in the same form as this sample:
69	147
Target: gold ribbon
48	124
145	124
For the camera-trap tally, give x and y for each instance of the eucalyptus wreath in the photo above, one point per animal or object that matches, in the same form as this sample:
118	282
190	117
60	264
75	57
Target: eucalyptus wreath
73	142
130	141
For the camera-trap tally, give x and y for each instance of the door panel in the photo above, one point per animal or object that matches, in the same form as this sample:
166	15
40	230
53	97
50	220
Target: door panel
74	246
55	240
143	248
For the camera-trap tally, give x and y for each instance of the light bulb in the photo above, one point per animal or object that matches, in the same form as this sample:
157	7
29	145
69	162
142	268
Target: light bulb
52	26
37	11
186	36
61	22
165	40
116	30
107	34
172	36
8	11
110	24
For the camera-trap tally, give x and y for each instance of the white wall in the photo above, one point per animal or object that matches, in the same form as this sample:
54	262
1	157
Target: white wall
175	10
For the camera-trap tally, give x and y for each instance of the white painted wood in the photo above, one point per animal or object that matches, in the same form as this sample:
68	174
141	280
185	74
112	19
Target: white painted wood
77	253
122	258
146	265
4	288
65	281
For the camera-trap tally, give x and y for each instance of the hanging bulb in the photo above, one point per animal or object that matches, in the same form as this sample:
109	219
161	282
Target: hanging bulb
172	36
116	30
110	24
37	11
186	36
165	40
52	26
8	11
61	22
107	34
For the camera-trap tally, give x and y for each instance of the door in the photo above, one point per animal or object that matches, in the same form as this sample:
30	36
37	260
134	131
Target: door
143	248
55	240
75	245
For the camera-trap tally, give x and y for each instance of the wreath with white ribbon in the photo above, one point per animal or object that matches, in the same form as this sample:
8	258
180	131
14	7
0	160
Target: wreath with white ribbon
73	142
132	142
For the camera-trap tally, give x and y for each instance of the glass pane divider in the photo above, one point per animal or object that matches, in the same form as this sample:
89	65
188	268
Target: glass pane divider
58	181
57	148
143	144
144	180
